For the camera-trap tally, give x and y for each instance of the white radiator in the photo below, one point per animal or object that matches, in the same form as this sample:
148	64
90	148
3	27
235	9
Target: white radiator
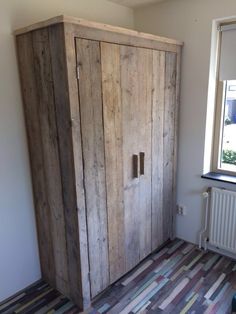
222	223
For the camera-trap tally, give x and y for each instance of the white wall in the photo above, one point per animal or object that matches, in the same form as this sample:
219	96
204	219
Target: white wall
190	21
19	261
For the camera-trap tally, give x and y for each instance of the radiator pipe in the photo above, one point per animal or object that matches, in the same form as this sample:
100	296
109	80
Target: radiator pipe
205	196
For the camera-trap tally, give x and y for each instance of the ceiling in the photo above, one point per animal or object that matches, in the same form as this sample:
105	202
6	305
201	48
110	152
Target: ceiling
135	3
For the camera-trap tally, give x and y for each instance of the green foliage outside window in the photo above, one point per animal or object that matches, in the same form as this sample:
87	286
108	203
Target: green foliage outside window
227	121
229	157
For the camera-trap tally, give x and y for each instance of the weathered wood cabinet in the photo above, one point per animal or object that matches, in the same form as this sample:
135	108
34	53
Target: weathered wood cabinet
101	108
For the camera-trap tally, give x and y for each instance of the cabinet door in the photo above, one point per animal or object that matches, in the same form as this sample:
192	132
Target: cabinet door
127	109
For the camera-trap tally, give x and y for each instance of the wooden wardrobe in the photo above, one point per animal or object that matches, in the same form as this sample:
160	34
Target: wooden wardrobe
101	106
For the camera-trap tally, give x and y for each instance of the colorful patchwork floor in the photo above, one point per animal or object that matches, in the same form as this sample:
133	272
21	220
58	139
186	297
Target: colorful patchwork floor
178	279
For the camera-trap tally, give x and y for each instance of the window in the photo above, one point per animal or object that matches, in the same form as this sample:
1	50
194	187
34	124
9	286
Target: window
224	152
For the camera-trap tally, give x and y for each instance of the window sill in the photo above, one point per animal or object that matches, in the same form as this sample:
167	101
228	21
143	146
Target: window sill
219	177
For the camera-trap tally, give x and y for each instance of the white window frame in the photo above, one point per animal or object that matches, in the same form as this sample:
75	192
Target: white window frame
219	112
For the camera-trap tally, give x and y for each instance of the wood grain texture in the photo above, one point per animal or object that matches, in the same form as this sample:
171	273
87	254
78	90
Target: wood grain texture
98	34
89	61
158	104
130	121
63	115
136	84
31	103
95	25
176	127
81	278
144	137
169	143
50	149
113	133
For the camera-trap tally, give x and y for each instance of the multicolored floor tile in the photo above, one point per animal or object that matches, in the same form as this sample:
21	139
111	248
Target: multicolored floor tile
179	279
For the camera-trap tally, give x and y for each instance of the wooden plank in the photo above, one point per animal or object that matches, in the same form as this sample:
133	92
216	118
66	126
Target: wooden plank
131	127
112	115
169	145
136	82
95	25
49	135
63	115
157	147
31	103
177	104
89	61
83	31
79	259
144	138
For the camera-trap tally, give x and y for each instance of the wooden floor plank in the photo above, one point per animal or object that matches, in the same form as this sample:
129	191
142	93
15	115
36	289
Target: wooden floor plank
177	279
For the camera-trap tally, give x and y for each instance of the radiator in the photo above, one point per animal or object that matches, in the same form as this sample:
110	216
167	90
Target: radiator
222	223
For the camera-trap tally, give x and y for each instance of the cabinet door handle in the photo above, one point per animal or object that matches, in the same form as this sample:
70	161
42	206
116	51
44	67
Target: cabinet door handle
135	166
142	162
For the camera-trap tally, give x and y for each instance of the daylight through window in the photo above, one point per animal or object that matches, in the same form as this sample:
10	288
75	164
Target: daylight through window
224	158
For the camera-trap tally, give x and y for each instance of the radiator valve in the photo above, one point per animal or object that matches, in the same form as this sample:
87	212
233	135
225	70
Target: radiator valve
205	194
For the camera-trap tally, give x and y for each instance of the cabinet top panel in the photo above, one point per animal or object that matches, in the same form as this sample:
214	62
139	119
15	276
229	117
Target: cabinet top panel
101	26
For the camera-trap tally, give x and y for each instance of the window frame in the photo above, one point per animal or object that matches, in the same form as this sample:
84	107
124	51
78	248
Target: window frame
219	111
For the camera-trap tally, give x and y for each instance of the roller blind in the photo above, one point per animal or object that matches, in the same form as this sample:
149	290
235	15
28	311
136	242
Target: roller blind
227	69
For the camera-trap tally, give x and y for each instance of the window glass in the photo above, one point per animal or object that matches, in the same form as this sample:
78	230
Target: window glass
228	142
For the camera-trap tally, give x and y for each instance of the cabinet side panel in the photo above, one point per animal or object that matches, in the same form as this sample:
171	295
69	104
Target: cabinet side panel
50	151
177	105
73	211
169	143
70	50
31	104
90	91
112	115
157	147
